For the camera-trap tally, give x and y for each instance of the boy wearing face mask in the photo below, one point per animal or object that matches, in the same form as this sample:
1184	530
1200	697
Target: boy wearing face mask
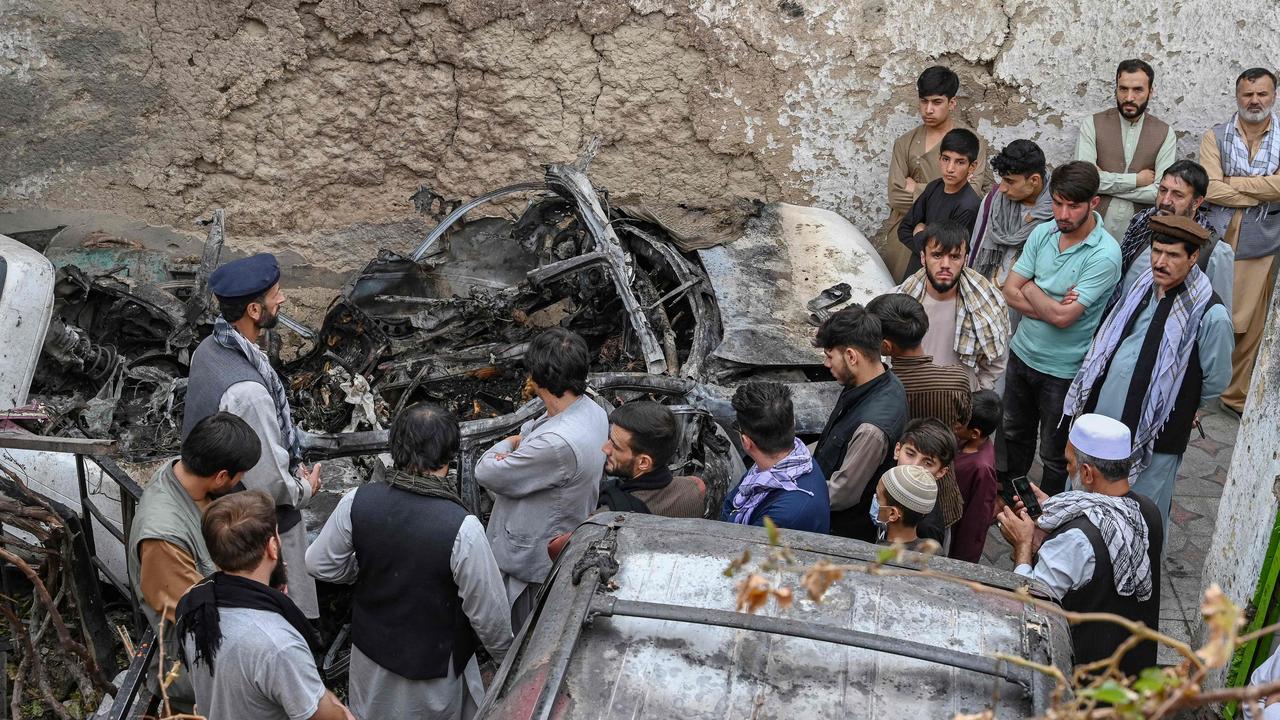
904	495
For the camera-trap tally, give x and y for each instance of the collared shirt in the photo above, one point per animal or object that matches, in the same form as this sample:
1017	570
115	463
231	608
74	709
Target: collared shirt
1092	267
1123	187
1065	562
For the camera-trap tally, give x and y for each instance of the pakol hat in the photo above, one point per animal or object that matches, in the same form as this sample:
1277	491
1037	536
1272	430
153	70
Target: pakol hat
911	486
1102	437
1178	227
246	277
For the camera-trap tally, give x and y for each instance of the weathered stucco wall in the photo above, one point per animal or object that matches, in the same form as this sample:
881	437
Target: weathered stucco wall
1250	502
307	117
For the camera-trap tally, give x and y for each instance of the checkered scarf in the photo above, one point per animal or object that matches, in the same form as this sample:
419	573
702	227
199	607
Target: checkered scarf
1177	341
1124	532
982	317
228	337
1235	156
1137	237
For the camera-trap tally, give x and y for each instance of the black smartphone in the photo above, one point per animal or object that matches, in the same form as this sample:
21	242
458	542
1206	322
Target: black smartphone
1022	486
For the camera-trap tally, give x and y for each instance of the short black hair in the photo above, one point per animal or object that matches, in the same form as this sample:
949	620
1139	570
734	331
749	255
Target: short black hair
1193	174
959	140
852	326
902	319
234	308
424	437
653	429
1135	65
1190	247
949	234
1076	181
766	415
938	80
558	360
910	518
929	436
221	441
1020	157
986	409
1254	73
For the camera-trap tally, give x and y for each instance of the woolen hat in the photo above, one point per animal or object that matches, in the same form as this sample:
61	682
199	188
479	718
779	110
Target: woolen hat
1100	436
246	277
912	487
1178	227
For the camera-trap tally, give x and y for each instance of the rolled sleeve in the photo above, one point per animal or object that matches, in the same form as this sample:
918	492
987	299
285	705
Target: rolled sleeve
866	451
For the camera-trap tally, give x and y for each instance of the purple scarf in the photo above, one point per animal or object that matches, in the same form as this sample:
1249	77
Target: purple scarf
757	484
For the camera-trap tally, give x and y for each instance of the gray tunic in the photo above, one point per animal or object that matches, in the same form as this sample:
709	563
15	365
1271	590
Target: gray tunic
376	692
251	402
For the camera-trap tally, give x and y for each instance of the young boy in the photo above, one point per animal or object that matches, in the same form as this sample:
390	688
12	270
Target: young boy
904	495
929	444
950	197
915	157
976	476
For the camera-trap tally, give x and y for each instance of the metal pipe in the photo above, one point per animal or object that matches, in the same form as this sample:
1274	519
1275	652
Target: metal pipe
609	606
453	217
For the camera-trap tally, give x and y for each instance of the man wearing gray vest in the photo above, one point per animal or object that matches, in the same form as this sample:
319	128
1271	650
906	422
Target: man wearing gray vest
1131	148
167	554
546	480
230	373
426	589
1242	158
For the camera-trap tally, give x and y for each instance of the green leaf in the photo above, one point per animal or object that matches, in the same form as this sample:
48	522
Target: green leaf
772	529
1153	680
1110	692
886	554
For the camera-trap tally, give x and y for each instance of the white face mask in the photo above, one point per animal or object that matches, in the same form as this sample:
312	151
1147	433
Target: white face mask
881	526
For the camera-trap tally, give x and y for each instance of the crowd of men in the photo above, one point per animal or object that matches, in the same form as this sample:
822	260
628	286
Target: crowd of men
1083	314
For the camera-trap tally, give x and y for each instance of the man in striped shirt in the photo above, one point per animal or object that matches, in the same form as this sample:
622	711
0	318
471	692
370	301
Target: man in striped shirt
937	391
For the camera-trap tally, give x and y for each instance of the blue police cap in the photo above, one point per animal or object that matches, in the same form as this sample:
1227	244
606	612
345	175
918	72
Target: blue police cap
245	277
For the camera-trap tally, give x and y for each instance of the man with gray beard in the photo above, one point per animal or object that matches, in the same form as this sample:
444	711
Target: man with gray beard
1242	158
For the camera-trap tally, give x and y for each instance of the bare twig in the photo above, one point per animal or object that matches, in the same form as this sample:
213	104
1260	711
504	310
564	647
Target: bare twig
37	666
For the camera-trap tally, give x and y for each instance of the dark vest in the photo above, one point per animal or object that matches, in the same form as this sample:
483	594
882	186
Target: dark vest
1110	147
613	497
881	402
1097	640
1176	433
214	369
406	615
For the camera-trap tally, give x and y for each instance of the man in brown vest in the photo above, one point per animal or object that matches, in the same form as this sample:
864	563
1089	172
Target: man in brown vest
1131	148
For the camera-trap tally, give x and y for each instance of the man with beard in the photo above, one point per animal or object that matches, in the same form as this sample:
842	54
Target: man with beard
1182	191
968	317
856	445
1060	284
426	590
1011	210
1096	549
167	554
248	649
1242	158
917	155
1163	353
643	439
230	373
1131	147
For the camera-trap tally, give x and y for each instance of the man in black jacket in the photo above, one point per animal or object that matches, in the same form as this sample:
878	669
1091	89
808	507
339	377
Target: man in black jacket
856	446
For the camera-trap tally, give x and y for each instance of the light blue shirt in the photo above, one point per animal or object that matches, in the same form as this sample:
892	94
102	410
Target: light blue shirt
1092	267
1065	562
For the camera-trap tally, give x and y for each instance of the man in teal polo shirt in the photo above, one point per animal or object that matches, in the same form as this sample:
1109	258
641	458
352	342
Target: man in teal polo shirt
1060	284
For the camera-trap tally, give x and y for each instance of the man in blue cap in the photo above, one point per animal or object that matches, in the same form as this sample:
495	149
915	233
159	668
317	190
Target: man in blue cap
230	373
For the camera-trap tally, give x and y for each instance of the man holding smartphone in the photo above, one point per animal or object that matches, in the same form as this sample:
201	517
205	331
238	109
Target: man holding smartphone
1097	547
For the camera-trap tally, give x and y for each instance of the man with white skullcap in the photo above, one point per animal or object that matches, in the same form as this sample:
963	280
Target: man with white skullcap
906	494
1101	543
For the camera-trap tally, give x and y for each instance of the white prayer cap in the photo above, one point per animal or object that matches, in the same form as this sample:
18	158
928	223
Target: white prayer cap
1102	437
911	486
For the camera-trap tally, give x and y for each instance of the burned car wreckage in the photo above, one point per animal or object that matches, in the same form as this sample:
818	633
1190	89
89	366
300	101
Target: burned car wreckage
668	314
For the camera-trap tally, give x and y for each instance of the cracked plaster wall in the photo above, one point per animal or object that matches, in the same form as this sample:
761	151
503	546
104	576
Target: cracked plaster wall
307	118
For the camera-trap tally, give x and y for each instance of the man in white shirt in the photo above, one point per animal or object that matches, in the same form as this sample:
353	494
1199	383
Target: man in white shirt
1100	546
